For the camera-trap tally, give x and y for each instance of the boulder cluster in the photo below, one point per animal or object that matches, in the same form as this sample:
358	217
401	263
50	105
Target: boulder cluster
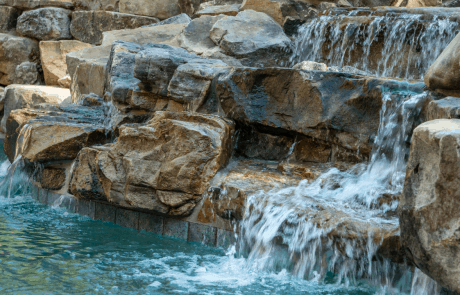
184	108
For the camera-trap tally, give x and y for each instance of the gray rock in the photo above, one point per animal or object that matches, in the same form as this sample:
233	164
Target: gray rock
105	5
166	34
34	4
446	108
9	19
26	73
214	10
428	206
195	37
178	19
326	5
88	26
217	53
96	55
14	51
251	35
310	66
162	9
353	70
45	24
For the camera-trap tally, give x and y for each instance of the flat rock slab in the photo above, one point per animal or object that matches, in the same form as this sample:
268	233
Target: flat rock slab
428	208
88	26
231	10
45	24
14	51
53	58
164	165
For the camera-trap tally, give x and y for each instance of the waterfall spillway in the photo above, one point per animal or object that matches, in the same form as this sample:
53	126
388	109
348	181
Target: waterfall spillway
336	223
383	42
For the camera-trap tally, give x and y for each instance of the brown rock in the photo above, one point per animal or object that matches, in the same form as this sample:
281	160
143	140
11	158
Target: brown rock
428	208
53	58
9	19
214	10
161	9
34	4
277	9
52	178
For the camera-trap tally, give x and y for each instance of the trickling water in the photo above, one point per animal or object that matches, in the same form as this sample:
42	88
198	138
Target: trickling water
389	45
335	224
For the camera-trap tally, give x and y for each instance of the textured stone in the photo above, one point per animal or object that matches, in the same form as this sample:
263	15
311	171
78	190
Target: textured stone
446	108
214	10
14	51
9	19
195	37
105	212
428	207
26	73
151	223
175	20
176	228
161	9
166	34
97	56
34	4
105	5
203	234
127	218
64	82
52	178
45	24
310	66
27	96
278	9
84	207
88	26
53	58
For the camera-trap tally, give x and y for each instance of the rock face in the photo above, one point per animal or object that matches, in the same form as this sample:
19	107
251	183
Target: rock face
26	73
159	8
165	34
163	165
34	4
446	108
428	208
53	136
105	5
27	96
45	24
231	10
250	35
9	19
277	9
88	26
178	19
13	52
444	73
53	58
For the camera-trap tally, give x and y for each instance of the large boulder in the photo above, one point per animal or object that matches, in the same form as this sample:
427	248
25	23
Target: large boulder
55	134
444	73
428	207
34	4
164	165
161	9
53	58
88	26
14	51
9	19
164	34
253	36
28	96
106	5
339	108
45	24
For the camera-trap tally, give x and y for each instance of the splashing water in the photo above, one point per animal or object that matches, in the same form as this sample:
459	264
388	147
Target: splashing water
335	225
400	45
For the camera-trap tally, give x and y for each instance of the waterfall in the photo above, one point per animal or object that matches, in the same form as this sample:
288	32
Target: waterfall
330	229
380	42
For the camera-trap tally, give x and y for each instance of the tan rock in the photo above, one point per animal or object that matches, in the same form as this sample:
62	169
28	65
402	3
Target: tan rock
166	34
9	19
88	26
65	82
14	51
310	66
34	4
106	5
416	3
161	9
52	178
214	10
428	207
53	58
446	108
164	165
279	10
195	37
27	96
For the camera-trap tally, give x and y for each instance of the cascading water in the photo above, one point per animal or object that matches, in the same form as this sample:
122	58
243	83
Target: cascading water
382	43
335	224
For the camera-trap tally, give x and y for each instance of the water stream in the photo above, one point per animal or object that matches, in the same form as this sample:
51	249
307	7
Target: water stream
380	43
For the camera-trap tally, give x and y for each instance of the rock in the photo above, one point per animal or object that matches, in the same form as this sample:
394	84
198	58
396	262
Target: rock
326	5
352	70
217	53
446	108
416	3
178	19
88	26
195	37
53	58
105	5
26	73
166	34
251	35
153	166
214	10
65	82
310	66
444	73
45	24
13	52
277	9
87	68
91	100
9	19
275	98
292	23
162	9
53	136
27	96
34	4
428	213
52	178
